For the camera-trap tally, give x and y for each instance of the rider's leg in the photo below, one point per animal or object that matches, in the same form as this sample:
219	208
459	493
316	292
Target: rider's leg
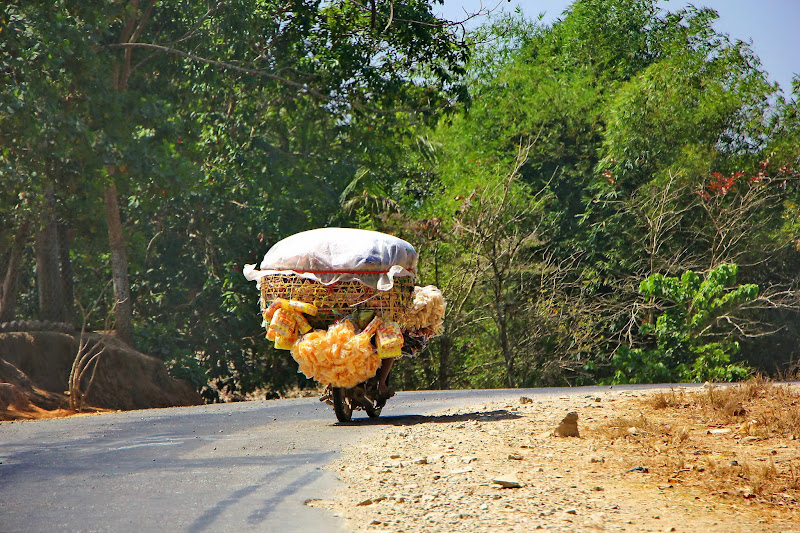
383	373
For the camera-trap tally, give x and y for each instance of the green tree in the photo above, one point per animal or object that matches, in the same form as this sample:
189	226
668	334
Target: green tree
692	334
634	109
203	129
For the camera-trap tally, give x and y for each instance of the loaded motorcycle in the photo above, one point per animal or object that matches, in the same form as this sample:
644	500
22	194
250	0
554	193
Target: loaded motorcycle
342	301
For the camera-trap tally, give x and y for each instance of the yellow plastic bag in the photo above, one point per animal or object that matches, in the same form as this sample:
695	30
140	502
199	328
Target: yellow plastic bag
390	352
300	307
285	343
282	323
389	336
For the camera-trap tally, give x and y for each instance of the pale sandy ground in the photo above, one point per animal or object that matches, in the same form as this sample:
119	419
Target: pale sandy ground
442	473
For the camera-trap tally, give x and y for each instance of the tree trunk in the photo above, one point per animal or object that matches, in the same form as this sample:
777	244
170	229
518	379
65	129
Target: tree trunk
445	342
501	321
48	273
507	355
444	361
8	294
121	71
119	268
67	282
48	276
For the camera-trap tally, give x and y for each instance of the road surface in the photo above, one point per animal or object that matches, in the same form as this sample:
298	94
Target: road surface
248	466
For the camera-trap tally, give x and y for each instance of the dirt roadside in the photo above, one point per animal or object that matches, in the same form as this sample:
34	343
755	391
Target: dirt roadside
35	367
644	461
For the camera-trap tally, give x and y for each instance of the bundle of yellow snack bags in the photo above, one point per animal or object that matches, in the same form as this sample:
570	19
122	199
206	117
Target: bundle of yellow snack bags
339	357
286	321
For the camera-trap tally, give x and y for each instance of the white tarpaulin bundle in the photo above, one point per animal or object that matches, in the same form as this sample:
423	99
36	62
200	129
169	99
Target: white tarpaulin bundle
330	255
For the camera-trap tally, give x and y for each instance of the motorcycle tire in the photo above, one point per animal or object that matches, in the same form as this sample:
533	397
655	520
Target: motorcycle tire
341	405
375	411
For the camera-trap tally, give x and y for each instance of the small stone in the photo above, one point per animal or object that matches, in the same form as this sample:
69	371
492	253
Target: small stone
598	489
524	399
596	460
568	426
639	469
515	457
420	461
719	431
750	439
633	430
507	482
468	459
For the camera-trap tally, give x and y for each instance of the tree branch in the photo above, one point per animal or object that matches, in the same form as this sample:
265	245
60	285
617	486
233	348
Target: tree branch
222	64
261	73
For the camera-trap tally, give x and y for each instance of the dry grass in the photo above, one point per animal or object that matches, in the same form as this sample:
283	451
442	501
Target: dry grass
774	408
738	440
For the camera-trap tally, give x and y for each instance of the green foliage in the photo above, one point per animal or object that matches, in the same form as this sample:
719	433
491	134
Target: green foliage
694	313
653	148
632	111
236	125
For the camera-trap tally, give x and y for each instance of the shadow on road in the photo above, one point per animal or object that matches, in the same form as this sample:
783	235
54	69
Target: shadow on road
410	420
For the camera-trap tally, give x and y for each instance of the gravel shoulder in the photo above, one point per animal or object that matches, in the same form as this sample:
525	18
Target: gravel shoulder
634	467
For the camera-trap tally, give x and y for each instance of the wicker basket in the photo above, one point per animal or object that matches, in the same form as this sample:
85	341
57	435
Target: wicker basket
339	299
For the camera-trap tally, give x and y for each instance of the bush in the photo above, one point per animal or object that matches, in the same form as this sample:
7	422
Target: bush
689	340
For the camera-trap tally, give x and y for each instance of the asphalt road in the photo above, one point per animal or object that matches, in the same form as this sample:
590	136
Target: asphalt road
240	467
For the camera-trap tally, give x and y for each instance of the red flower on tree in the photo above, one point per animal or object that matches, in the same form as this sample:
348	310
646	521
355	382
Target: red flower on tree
720	185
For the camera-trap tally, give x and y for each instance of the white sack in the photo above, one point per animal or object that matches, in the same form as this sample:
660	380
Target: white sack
330	255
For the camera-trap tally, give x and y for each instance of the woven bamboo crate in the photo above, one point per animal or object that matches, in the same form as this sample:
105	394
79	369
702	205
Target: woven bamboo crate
340	299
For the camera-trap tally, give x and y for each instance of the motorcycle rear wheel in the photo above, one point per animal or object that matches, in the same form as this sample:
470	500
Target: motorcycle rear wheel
341	405
374	409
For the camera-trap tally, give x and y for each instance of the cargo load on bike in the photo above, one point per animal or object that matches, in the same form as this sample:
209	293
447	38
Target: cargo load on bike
344	303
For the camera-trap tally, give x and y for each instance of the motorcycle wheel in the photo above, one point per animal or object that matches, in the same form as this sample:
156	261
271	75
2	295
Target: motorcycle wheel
375	411
341	405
